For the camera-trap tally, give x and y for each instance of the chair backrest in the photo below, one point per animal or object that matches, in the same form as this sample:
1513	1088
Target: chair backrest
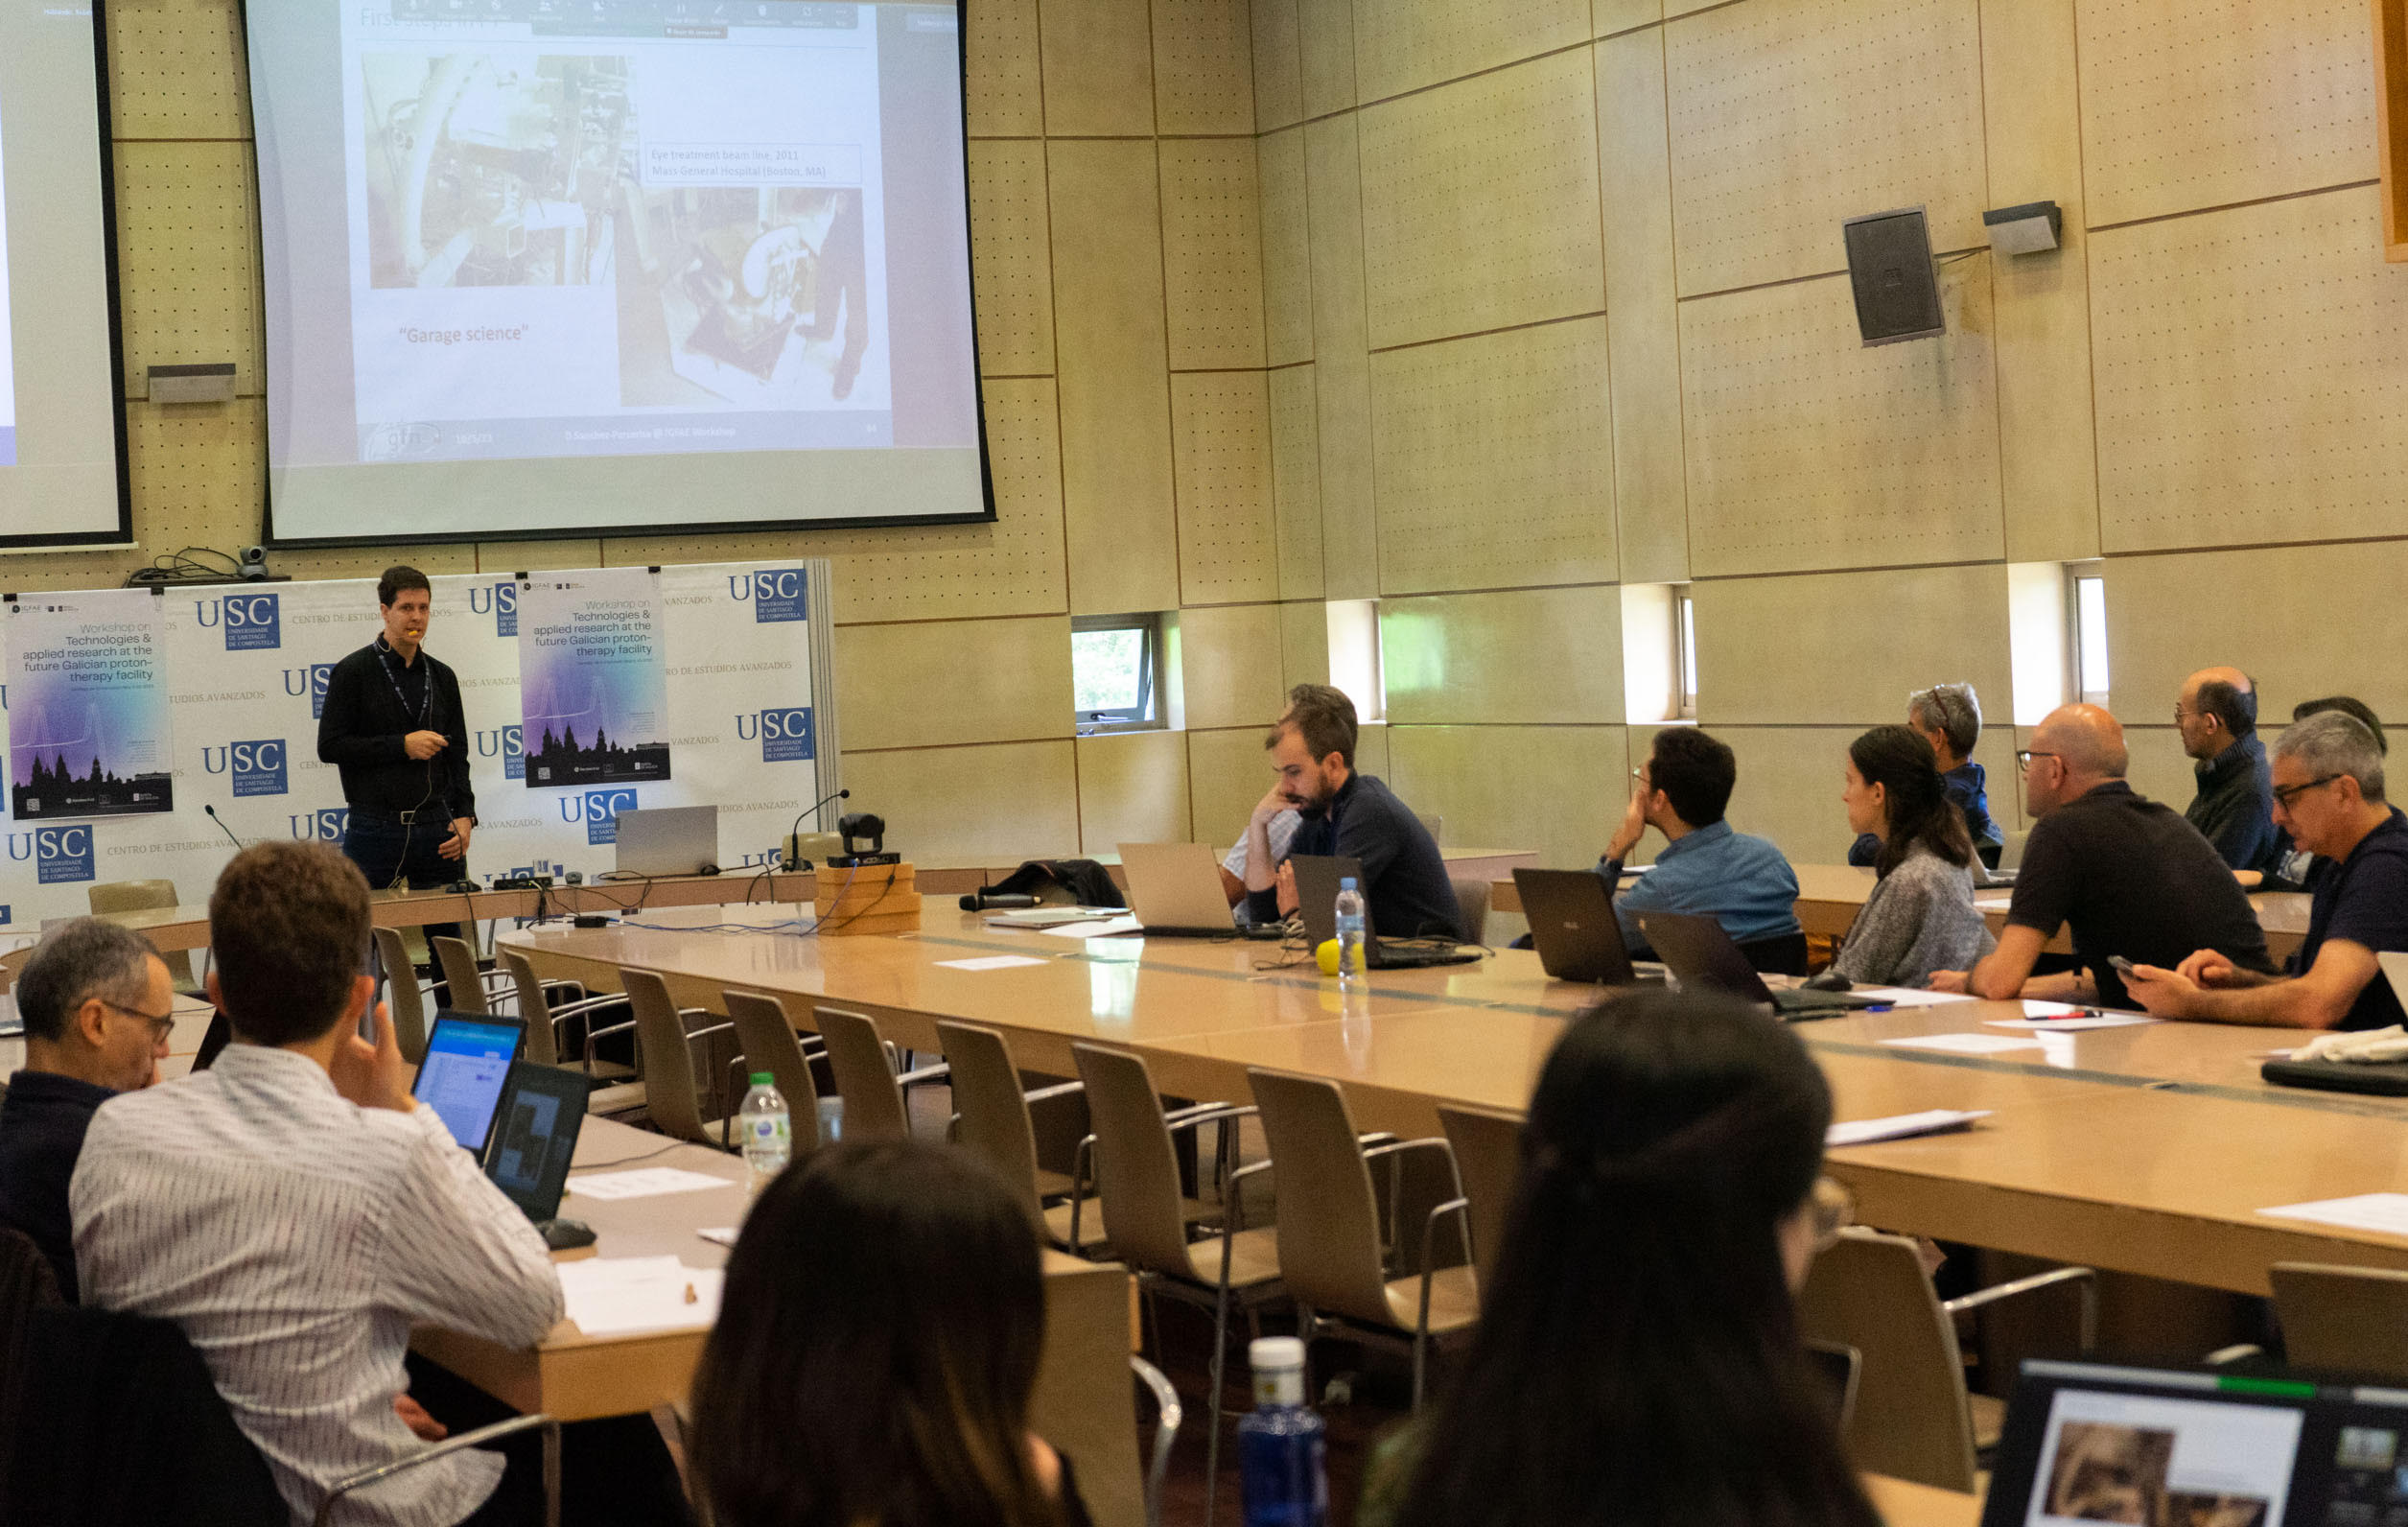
143	896
1436	826
767	1038
1330	1218
1471	894
1136	1169
663	1057
26	1284
543	1045
1869	1291
865	1079
2347	1319
1488	1161
404	999
994	1110
465	982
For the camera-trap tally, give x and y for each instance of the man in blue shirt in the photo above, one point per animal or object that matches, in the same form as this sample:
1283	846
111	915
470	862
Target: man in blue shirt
1949	716
1742	882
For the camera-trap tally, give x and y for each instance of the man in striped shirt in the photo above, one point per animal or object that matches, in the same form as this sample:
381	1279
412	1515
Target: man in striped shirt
295	1212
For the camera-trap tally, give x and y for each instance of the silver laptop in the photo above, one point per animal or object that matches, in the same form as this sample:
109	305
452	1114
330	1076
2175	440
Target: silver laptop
669	840
1174	890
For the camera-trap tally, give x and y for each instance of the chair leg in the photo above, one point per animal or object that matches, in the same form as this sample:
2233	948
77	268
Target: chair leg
1421	1359
1212	1407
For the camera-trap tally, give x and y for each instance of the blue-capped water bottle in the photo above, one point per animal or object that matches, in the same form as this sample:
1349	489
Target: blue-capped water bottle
1351	953
1282	1444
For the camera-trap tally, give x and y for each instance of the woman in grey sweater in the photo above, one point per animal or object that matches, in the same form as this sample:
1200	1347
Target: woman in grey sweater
1921	916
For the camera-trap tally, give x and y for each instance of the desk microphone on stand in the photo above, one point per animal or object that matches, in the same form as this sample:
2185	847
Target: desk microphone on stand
794	844
222	827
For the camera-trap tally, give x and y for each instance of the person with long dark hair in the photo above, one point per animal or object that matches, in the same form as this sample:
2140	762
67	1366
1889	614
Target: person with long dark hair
1921	916
1638	1361
878	1341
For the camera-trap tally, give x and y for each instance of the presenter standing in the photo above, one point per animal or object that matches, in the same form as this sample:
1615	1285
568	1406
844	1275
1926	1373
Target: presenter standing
394	726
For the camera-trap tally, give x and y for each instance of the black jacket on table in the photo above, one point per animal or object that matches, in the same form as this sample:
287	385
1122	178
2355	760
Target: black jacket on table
372	702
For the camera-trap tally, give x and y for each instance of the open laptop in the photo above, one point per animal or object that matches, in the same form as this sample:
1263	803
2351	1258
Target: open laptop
2090	1442
1175	892
1574	928
1704	959
542	1113
1316	881
467	1064
669	840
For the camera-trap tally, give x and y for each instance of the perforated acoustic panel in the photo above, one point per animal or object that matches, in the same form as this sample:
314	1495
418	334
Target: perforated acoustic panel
1213	252
1494	460
2249	376
1204	66
1012	257
175	70
1789	117
1287	249
1402	45
188	258
1295	481
1808	449
2199	103
1220	430
1480	203
1278	65
1003	95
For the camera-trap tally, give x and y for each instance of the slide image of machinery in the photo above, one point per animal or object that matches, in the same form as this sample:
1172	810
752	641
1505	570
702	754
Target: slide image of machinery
495	172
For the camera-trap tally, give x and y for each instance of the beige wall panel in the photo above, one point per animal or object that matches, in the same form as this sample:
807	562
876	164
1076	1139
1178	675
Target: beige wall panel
1372	754
371	561
1011	566
1789	779
1304	644
1287	249
527	556
2249	385
933	683
1213	254
188	259
175	71
2160	770
1642	323
1004	95
1402	45
1341	373
1622	15
2048	457
1227	544
1098	68
1133	788
1012	258
1494	460
1231	666
1555	791
1295	481
1278	65
1538	656
1480	203
1204	66
1808	449
1848	647
1787	119
994	805
198	474
2192	103
2323	620
1326	55
1113	358
1227	773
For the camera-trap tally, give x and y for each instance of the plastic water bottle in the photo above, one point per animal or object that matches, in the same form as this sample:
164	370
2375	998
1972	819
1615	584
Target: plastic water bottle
1349	933
1282	1444
768	1133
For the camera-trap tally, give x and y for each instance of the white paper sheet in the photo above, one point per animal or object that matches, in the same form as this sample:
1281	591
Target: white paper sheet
1964	1043
2385	1213
1909	997
645	1181
2070	1024
1902	1126
720	1235
615	1296
1103	929
990	962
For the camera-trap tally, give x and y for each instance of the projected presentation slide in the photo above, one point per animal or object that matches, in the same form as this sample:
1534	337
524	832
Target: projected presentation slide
560	265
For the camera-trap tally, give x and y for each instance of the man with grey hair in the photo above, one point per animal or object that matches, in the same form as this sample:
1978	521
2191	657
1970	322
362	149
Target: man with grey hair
96	999
2329	797
1948	718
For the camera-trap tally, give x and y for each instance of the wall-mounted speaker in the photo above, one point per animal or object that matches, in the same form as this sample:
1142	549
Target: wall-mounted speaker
1889	269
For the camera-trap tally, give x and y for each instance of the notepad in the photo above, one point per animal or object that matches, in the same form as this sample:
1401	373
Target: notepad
1909	997
2384	1213
1964	1043
1902	1126
618	1296
1101	929
646	1182
989	962
719	1234
2068	1025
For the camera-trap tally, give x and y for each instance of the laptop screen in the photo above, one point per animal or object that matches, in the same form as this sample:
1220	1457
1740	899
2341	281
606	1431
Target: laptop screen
539	1132
468	1060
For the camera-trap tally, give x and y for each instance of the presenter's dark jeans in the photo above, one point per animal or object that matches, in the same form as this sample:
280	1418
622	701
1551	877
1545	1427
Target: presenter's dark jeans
389	853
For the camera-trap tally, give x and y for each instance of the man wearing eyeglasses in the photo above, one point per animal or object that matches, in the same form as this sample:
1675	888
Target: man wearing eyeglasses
96	1004
2125	875
2329	797
2218	717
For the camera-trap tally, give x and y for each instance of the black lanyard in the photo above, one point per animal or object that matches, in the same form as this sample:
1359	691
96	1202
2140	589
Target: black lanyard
425	698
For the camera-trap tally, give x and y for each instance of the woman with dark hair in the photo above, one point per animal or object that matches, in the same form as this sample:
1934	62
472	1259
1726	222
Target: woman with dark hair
1921	916
878	1341
1638	1360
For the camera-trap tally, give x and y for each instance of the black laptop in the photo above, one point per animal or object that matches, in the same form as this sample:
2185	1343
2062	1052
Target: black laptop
1574	928
1697	950
542	1111
1317	879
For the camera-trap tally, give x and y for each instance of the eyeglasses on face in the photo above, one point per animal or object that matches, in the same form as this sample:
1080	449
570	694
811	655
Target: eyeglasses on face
162	1025
2286	795
2023	758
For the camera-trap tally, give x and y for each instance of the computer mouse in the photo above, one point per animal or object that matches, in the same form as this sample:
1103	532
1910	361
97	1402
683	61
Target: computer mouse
1828	981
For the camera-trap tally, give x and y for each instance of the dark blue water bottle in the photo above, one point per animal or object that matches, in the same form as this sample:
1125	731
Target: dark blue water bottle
1282	1446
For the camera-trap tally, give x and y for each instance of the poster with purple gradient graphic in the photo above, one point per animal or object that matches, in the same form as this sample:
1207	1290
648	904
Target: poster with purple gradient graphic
90	729
593	678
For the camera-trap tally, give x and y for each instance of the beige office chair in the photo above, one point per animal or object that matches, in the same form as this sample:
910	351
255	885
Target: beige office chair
1471	894
771	1045
1331	1253
406	997
143	896
470	988
613	1089
665	1046
864	1065
2351	1320
1436	826
1489	1164
1913	1418
991	1117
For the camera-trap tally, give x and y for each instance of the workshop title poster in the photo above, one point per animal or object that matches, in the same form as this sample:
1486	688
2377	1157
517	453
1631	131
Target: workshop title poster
593	677
90	729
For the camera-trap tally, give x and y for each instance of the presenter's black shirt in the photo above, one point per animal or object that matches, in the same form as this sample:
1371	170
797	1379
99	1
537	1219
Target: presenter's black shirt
373	701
